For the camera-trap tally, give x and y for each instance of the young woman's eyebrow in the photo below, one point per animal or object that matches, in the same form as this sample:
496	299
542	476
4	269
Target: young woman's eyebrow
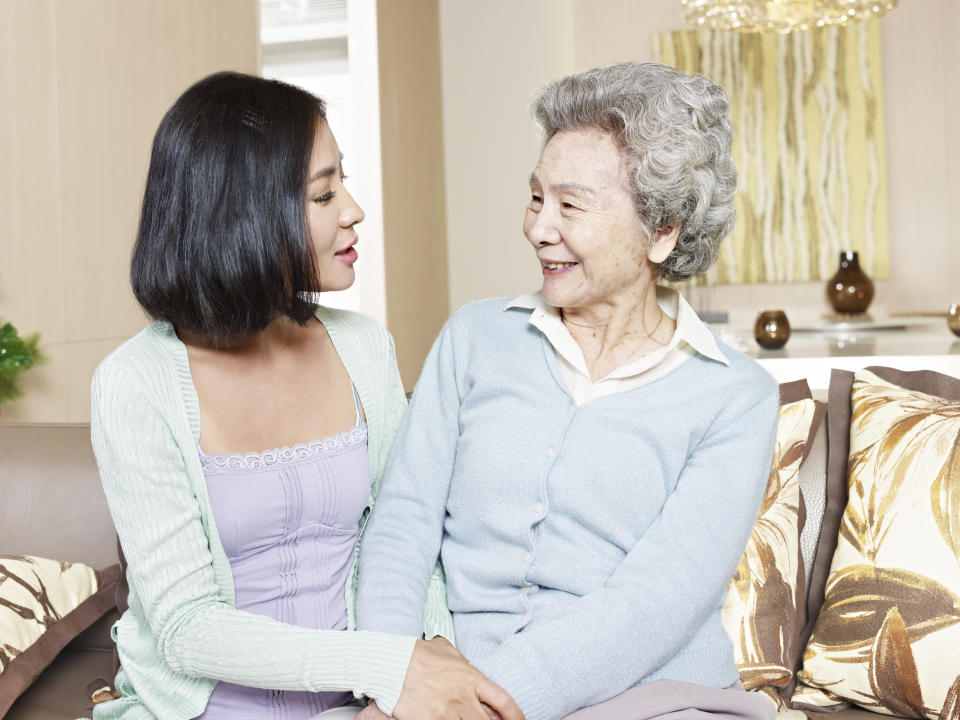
326	172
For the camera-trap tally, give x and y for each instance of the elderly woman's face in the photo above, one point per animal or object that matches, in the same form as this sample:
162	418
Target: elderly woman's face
582	222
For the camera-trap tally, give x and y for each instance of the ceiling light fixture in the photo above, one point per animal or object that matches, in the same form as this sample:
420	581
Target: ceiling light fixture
780	15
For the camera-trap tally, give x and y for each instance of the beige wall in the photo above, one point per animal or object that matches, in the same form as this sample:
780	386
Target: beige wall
496	55
414	208
90	79
87	82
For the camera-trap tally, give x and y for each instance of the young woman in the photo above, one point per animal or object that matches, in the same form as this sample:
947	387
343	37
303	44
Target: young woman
241	436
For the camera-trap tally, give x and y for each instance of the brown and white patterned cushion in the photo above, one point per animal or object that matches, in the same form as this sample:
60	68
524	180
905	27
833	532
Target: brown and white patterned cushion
765	608
887	636
43	605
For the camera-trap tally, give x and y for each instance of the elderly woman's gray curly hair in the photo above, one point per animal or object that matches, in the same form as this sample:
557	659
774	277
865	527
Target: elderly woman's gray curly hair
674	134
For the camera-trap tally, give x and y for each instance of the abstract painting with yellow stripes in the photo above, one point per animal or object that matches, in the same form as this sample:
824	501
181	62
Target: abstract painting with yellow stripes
808	145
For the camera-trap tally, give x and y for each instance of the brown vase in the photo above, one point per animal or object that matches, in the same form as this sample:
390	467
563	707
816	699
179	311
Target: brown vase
850	290
772	329
953	319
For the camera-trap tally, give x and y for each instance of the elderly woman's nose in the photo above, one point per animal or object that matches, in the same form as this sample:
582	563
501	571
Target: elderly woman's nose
543	229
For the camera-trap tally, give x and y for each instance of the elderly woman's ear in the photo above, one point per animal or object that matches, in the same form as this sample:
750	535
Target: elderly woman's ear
662	244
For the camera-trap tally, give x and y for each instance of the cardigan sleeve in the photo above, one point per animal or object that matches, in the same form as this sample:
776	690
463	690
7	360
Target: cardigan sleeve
401	544
436	615
170	569
611	638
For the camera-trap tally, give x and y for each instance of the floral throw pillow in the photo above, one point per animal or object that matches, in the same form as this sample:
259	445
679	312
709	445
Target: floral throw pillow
765	607
887	637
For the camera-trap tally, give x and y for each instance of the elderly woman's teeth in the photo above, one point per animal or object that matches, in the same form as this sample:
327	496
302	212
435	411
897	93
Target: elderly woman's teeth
558	266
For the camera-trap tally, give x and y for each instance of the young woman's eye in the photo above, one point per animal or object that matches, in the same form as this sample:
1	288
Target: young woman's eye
325	198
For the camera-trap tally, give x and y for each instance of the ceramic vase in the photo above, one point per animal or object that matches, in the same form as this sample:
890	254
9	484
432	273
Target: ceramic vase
953	319
772	329
850	290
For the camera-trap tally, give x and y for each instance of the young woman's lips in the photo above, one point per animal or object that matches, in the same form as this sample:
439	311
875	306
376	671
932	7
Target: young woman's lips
348	256
555	269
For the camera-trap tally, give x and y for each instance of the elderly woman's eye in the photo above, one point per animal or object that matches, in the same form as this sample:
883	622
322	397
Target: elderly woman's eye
534	198
568	206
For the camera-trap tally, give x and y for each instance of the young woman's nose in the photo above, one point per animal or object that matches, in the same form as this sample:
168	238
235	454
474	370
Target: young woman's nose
351	213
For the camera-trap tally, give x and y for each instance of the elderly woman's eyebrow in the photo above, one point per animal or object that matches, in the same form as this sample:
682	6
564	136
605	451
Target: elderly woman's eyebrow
573	187
564	187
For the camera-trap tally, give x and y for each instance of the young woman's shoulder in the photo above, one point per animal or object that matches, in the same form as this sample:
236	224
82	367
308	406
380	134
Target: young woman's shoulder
340	320
355	332
142	360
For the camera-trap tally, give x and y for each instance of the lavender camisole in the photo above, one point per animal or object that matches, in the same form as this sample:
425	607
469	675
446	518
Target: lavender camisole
288	521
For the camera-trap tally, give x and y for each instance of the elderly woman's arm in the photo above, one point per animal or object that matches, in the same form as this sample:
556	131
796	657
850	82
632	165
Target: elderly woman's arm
401	542
665	587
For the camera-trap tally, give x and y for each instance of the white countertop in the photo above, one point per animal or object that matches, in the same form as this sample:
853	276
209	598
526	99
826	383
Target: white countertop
814	349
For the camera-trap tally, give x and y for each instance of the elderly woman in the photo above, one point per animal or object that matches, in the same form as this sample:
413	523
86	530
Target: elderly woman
588	461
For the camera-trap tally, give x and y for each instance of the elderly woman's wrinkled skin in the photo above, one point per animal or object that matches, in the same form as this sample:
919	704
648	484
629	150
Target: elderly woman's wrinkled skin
596	260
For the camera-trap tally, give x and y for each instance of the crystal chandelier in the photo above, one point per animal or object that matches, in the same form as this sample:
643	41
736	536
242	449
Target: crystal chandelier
780	15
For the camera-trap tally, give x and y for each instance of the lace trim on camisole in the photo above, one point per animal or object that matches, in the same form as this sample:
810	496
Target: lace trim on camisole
285	455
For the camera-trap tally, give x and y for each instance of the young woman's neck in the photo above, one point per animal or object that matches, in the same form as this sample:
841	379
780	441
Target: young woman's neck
280	334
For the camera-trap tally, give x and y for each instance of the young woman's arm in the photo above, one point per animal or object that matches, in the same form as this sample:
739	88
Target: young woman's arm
197	631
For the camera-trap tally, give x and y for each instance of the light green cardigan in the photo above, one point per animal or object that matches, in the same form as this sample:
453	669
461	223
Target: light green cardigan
182	632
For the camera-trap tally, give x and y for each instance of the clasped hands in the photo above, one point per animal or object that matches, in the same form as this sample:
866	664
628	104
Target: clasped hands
441	685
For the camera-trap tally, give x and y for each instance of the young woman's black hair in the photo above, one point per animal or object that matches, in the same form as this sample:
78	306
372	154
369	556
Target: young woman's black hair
223	247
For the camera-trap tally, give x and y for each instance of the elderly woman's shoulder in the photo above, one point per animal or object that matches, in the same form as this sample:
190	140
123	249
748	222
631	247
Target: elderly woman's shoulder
744	370
482	313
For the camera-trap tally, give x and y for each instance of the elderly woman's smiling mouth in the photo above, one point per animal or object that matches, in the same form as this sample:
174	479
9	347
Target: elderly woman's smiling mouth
582	222
553	268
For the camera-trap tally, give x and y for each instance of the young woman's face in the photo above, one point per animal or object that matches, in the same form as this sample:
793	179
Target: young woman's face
331	213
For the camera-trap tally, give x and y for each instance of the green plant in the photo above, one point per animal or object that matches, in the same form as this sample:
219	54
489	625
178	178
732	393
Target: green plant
16	355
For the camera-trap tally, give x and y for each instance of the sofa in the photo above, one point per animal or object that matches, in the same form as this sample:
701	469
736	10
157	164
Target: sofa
53	507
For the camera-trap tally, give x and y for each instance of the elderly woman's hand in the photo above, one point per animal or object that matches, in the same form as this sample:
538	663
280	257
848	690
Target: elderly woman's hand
372	712
441	685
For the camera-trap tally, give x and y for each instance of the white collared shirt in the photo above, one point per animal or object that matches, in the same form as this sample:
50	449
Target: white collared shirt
691	336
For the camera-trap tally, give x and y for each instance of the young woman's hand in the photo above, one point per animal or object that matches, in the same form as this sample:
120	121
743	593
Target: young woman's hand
441	685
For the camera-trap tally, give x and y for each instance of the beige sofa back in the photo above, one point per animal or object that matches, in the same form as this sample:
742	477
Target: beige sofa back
51	500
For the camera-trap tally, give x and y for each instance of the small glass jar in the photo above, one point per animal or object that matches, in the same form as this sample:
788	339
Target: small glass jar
953	319
772	329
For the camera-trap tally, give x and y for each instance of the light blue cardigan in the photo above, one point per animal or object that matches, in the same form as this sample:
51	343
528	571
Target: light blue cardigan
182	633
587	549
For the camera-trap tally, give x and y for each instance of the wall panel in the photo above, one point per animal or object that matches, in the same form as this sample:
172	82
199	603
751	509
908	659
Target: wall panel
495	55
922	106
88	81
414	206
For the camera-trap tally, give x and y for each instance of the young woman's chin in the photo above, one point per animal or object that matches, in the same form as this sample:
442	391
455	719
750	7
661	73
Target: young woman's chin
340	280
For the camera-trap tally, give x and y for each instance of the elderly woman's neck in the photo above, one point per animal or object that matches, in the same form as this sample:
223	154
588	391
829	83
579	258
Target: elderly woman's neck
617	330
